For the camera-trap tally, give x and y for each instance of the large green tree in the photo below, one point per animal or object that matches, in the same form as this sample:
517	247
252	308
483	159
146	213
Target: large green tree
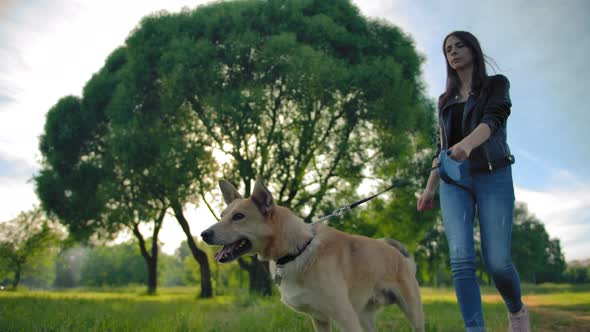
309	94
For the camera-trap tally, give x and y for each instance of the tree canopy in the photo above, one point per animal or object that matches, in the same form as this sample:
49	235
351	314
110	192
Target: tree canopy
309	94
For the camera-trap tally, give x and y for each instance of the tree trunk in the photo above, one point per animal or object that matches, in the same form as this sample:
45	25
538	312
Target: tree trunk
259	274
16	280
198	254
152	276
151	266
435	274
151	260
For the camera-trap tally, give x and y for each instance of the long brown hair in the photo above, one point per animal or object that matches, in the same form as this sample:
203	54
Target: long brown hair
479	79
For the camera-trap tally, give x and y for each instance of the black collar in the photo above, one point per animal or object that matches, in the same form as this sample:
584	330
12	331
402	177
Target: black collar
287	258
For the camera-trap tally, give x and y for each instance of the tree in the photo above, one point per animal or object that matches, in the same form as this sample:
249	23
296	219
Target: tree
81	180
25	240
576	274
223	276
537	257
115	265
102	264
432	257
309	94
111	162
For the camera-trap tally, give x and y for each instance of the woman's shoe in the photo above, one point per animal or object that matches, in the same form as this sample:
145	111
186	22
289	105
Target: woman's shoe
519	321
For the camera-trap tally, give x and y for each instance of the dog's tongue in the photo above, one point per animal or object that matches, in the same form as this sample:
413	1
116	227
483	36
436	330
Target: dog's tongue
226	250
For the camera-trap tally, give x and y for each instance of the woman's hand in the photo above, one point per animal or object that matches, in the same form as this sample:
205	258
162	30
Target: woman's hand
478	136
426	200
460	151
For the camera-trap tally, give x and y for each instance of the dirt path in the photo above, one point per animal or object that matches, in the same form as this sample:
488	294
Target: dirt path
549	318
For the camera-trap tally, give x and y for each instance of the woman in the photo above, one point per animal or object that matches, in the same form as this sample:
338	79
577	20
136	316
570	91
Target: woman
472	119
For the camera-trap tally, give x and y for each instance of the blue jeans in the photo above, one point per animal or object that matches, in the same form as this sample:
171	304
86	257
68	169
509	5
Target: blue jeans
492	197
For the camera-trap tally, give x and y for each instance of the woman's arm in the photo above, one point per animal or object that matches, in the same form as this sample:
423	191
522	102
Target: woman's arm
497	107
426	200
462	150
495	113
434	177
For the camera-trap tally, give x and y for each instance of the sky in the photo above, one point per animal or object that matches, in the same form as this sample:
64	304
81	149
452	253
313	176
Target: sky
50	49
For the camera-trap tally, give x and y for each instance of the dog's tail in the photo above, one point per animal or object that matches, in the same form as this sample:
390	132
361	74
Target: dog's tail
399	247
403	250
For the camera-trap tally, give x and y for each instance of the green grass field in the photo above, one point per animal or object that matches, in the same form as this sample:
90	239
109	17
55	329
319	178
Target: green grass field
553	308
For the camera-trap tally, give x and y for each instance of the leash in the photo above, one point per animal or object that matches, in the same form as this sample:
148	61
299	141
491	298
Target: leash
344	209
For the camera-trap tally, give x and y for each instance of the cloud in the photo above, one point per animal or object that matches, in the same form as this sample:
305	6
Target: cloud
5	99
538	173
17	192
566	215
44	56
16	195
15	168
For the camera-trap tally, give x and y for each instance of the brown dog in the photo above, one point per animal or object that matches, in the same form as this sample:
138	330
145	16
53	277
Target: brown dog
325	273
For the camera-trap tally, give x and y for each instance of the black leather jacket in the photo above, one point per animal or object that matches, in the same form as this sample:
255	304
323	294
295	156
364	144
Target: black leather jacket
491	108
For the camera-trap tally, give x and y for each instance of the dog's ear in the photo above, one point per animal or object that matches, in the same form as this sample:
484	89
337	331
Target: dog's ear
229	192
262	197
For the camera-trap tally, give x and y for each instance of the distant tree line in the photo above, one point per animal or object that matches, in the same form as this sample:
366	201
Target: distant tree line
36	254
122	265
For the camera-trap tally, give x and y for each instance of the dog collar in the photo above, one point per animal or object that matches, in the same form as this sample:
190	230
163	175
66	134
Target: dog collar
286	259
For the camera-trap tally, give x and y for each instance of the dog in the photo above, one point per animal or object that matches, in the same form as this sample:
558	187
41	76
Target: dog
327	274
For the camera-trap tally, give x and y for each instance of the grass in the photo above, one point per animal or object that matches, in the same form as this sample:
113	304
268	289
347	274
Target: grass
553	308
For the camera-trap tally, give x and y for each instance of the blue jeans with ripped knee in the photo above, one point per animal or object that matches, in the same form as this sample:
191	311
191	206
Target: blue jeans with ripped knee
492	198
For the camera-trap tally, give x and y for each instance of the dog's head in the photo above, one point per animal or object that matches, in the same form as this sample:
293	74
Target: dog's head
245	225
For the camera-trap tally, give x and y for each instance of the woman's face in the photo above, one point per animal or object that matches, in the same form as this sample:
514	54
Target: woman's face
459	56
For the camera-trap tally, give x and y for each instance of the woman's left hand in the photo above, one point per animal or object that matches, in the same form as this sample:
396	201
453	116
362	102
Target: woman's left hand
460	151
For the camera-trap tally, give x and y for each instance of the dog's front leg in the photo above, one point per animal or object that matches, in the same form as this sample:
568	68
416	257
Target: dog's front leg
367	319
321	325
346	319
